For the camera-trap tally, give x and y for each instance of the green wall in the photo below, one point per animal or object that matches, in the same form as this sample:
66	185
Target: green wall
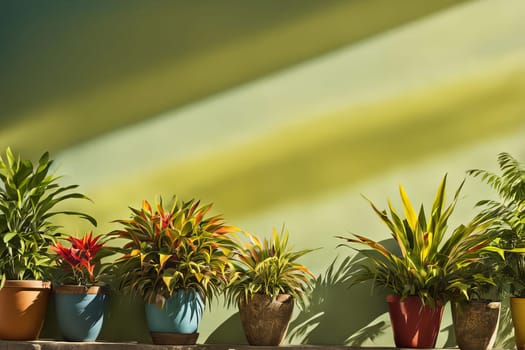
278	112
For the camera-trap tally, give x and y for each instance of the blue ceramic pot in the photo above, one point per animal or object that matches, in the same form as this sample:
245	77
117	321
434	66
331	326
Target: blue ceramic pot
181	313
80	312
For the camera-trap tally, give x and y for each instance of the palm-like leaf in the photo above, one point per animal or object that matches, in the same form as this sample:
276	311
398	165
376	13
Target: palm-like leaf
506	216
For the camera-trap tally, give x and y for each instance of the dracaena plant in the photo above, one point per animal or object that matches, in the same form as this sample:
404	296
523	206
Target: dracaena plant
167	248
427	261
268	267
506	217
81	262
29	195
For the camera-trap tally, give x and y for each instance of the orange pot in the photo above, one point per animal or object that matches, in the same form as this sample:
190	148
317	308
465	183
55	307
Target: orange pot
23	307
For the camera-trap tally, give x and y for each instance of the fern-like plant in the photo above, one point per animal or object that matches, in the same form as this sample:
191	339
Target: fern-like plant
29	194
506	216
269	267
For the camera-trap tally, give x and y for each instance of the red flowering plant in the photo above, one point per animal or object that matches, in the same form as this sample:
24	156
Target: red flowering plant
80	263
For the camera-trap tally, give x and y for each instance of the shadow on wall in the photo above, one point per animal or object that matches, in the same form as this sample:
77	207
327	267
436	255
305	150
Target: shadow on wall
338	314
124	321
229	332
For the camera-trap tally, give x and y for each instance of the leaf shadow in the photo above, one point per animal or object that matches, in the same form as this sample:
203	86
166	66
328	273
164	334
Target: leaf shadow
338	314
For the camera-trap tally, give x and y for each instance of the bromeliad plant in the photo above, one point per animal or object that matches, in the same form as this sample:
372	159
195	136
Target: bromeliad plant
269	267
81	262
505	217
29	194
428	264
169	248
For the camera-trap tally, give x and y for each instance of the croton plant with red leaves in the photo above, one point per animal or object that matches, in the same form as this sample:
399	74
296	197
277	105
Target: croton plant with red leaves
168	247
81	262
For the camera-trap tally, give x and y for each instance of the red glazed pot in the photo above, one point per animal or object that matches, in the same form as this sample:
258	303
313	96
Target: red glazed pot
414	325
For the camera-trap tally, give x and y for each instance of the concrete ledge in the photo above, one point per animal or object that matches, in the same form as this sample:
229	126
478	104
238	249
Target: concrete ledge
62	345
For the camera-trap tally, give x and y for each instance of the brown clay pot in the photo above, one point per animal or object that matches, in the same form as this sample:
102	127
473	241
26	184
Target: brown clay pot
414	325
265	320
476	324
23	307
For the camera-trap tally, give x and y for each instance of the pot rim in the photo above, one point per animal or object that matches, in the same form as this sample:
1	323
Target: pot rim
78	289
28	284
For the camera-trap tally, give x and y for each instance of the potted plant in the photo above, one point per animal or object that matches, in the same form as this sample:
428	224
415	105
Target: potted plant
80	297
506	215
266	282
29	194
421	273
174	257
475	298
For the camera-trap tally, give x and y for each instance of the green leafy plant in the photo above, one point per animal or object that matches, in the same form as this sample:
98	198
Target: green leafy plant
171	248
269	267
426	262
29	194
81	262
506	217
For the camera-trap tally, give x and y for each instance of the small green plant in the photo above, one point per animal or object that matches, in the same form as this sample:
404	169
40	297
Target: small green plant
425	263
269	267
174	247
29	194
81	263
506	217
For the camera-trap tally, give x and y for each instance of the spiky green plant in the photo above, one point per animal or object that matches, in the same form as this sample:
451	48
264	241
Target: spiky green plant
428	264
269	267
174	247
29	194
506	216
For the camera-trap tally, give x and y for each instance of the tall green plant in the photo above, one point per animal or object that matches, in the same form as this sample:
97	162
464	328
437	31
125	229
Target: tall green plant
506	216
426	262
269	267
29	194
174	247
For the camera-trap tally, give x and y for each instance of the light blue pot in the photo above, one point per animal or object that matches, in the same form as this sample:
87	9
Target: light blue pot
80	312
182	313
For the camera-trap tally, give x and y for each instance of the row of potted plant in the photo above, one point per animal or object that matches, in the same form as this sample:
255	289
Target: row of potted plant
177	257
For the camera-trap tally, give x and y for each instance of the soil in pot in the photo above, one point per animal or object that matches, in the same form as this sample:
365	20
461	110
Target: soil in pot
23	307
265	320
414	325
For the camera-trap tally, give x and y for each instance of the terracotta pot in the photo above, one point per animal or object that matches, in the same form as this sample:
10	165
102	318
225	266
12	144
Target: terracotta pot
22	308
517	308
414	325
80	311
265	320
476	324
